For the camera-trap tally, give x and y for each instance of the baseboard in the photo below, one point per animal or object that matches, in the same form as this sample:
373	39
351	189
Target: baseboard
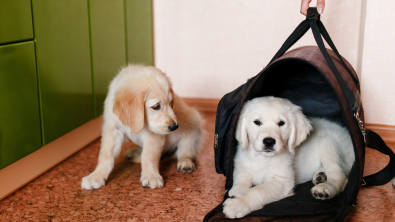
32	166
385	131
203	105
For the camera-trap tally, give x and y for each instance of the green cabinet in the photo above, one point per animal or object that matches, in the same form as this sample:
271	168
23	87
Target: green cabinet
61	31
139	32
59	81
107	24
15	21
19	110
121	33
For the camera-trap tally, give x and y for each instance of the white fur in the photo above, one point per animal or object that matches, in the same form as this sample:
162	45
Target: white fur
150	130
263	175
328	149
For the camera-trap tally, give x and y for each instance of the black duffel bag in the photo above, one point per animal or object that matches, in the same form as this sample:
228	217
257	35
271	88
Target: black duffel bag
324	84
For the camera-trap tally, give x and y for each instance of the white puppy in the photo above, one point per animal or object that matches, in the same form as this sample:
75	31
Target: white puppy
266	168
142	106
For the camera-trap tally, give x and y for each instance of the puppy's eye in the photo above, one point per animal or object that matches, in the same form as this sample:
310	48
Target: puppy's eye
156	107
257	122
281	123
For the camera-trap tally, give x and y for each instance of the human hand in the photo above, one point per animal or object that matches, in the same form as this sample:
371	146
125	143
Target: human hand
305	6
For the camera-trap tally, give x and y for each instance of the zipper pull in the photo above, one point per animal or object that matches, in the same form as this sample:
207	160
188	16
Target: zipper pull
215	141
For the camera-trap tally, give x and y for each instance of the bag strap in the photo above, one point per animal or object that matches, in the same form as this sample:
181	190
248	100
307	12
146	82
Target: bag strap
313	21
302	28
374	141
350	97
328	39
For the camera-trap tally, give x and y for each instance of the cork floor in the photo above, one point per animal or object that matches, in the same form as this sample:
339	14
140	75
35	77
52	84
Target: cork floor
57	196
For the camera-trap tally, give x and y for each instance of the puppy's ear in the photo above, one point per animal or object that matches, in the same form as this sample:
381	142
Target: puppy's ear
129	107
300	128
241	131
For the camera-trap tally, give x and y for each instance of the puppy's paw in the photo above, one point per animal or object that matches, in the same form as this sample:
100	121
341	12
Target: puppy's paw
151	180
185	165
323	191
238	190
235	208
319	177
93	181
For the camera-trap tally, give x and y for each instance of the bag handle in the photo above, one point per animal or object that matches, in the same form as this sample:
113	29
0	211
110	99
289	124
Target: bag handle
374	141
328	39
302	28
350	97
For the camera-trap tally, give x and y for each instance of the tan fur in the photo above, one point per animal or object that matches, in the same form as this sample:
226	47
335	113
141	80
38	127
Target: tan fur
129	107
142	106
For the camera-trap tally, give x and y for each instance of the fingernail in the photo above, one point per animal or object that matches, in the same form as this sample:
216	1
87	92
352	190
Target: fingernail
320	10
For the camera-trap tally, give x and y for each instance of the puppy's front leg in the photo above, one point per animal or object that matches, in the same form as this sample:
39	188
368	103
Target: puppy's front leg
150	158
257	197
242	182
188	147
336	179
111	144
336	182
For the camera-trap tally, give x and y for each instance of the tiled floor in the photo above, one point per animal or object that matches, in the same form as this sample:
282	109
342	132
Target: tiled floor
57	196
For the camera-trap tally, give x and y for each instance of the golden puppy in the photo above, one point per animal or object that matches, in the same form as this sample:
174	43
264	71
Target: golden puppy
142	107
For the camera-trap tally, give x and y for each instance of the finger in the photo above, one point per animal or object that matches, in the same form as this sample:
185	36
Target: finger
305	6
320	6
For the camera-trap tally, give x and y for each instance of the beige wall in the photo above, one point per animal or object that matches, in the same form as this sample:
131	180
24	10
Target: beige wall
378	63
210	47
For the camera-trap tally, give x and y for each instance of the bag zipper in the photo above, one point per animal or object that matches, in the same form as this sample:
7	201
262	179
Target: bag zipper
215	141
359	120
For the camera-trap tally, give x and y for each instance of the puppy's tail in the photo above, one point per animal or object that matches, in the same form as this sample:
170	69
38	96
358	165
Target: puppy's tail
134	154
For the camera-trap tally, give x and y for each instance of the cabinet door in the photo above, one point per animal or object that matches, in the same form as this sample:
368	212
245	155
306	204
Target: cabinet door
19	110
139	31
107	22
64	67
15	21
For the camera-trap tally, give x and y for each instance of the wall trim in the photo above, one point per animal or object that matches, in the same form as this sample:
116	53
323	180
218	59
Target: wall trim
202	104
386	132
32	166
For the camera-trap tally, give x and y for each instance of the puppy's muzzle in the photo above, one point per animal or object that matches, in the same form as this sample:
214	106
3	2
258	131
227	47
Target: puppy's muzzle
269	143
173	127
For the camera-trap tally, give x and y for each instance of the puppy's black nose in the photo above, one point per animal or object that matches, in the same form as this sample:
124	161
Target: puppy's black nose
173	127
269	142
